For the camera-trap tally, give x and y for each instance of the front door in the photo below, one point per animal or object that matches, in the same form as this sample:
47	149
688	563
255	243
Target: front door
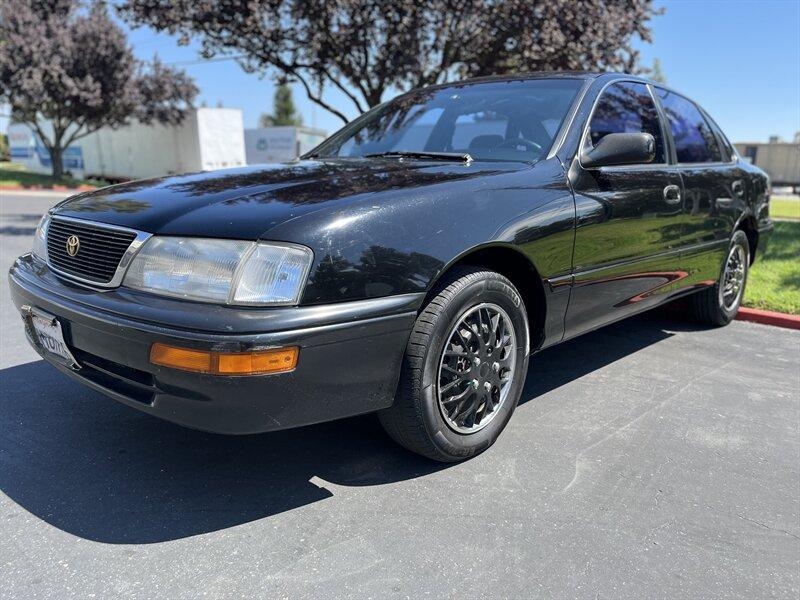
629	219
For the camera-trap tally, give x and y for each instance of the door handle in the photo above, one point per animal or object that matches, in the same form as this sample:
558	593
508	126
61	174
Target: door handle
738	188
672	194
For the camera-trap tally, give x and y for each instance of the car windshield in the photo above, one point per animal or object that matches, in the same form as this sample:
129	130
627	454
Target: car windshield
503	120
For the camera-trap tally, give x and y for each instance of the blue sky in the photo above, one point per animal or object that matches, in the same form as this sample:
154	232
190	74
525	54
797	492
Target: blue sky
739	58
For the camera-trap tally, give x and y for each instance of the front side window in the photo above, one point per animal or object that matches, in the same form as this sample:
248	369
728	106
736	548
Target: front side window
694	140
627	107
503	120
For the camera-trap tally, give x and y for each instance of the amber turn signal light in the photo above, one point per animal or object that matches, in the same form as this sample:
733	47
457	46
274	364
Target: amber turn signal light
259	362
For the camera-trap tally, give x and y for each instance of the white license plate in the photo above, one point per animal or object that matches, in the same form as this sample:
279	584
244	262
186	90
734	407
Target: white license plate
50	337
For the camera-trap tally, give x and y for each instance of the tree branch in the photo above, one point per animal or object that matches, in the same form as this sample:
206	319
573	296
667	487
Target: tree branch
317	98
76	135
42	137
365	48
346	92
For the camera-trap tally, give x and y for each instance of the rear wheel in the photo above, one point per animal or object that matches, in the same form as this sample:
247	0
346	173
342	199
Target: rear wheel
464	368
719	304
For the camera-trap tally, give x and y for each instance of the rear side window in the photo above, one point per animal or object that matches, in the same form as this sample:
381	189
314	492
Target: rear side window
694	140
726	148
627	107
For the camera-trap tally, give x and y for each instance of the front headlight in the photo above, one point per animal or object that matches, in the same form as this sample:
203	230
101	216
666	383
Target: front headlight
221	271
40	238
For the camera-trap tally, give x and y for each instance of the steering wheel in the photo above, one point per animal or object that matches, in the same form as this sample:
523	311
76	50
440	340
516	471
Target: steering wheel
516	142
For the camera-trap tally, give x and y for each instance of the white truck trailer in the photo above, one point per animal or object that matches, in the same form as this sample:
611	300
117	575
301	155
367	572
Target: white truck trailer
208	139
781	161
280	144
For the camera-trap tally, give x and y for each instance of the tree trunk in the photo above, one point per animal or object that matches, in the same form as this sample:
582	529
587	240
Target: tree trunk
57	158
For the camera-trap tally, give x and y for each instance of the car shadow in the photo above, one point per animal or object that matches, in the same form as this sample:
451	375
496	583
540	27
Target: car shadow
104	472
558	365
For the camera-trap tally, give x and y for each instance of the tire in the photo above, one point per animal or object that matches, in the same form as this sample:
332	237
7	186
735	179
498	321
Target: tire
710	306
417	420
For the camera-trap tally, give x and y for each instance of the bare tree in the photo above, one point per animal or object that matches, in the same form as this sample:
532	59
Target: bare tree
66	70
365	47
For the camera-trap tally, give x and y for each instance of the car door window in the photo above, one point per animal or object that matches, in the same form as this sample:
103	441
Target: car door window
694	140
627	107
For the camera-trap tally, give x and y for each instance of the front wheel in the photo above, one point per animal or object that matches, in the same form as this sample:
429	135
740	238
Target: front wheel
719	304
464	368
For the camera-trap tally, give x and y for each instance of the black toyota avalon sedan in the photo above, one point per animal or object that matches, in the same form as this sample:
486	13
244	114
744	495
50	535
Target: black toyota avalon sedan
410	265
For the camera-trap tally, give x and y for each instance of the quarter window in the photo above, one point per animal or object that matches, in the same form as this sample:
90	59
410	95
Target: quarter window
694	140
627	107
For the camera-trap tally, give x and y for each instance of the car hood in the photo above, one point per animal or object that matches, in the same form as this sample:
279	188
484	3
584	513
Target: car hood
246	203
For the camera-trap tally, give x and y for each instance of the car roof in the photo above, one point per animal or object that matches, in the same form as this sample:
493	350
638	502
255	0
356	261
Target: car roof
584	75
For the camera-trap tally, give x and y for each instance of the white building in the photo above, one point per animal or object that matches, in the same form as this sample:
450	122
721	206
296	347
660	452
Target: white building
280	144
208	139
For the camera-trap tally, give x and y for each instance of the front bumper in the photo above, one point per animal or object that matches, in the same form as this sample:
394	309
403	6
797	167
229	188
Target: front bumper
349	363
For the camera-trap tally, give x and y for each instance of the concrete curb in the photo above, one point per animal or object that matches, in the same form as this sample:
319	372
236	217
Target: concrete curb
767	317
37	189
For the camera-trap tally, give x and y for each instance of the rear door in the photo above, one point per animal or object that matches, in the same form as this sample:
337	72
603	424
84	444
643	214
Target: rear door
714	187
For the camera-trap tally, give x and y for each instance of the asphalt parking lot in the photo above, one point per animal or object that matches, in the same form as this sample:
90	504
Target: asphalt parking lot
648	459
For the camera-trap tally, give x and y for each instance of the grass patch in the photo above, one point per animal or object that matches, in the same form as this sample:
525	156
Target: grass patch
774	280
15	175
784	208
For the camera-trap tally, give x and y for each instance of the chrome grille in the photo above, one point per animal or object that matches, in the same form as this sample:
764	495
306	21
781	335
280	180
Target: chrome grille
101	249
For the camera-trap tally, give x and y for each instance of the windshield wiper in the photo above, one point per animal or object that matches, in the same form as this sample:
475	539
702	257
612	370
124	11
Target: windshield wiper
459	156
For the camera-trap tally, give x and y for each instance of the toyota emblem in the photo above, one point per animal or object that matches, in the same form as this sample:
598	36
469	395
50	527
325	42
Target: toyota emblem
73	245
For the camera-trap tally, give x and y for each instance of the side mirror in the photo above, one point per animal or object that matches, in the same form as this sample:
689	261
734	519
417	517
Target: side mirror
620	149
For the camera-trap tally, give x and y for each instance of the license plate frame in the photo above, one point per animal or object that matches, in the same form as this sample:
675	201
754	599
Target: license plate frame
47	335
